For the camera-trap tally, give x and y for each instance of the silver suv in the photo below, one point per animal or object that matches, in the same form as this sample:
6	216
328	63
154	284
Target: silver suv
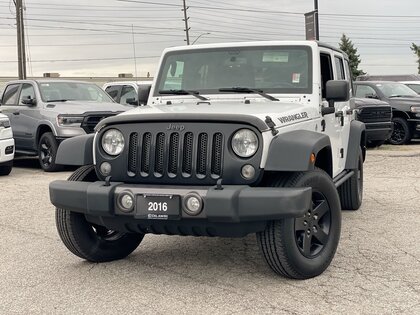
42	113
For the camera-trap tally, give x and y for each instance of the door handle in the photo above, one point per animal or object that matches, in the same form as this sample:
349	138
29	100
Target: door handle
16	113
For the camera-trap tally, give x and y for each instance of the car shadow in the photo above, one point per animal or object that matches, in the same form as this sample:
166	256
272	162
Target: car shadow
33	163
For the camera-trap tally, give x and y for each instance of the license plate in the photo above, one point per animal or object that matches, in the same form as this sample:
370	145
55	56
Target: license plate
158	207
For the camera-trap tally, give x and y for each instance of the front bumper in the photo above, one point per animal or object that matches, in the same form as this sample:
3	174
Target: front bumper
232	204
7	150
378	131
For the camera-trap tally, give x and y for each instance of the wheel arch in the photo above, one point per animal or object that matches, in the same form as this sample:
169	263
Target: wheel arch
299	145
357	140
400	114
43	128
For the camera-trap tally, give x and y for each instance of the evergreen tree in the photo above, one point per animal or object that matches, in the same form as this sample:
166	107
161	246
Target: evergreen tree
347	46
416	50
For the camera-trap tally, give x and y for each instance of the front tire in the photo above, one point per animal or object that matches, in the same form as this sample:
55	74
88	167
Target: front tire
302	248
47	153
5	170
89	241
401	133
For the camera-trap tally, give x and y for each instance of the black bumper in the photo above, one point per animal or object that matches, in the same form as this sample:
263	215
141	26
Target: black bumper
378	131
226	208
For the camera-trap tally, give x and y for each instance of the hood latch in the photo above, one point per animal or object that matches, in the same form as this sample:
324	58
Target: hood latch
271	125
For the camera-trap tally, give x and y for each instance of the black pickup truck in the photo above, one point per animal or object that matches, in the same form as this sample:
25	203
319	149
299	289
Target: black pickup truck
377	117
405	105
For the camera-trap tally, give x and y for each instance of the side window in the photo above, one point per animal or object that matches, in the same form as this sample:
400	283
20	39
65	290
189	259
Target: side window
326	72
365	91
10	94
27	92
112	91
340	68
128	93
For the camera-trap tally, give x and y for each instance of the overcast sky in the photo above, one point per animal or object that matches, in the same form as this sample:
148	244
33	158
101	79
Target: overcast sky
95	38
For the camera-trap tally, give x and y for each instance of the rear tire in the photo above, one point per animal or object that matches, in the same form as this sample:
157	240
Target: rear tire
89	241
47	153
302	248
351	191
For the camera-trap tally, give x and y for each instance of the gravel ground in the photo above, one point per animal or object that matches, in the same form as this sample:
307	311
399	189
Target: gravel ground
375	271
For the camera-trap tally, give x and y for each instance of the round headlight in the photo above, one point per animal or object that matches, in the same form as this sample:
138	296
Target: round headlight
245	143
113	142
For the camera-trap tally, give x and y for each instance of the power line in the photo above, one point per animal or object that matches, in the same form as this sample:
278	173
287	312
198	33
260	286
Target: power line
83	59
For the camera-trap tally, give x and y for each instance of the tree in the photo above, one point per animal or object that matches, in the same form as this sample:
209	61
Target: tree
347	46
416	50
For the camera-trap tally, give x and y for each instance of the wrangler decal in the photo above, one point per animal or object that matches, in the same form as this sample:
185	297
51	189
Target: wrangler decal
294	117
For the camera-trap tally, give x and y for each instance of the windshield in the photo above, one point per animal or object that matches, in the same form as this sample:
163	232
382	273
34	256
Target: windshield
72	91
284	69
392	89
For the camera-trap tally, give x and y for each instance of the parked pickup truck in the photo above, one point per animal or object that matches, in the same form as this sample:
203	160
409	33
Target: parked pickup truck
377	116
405	105
7	146
43	113
237	138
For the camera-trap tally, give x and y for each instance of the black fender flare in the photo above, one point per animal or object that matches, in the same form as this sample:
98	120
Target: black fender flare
357	139
292	151
76	151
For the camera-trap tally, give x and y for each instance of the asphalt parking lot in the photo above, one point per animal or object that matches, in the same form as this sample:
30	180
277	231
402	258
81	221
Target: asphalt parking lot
375	271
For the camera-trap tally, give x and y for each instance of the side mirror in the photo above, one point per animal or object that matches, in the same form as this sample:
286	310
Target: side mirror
337	91
29	101
143	92
374	96
132	101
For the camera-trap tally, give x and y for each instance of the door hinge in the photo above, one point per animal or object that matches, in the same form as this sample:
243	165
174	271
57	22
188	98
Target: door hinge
341	152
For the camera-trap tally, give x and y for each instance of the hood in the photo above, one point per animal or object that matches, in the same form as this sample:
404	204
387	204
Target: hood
404	103
80	107
282	114
360	102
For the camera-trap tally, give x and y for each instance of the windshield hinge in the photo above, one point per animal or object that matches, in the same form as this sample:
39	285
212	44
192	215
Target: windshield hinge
271	125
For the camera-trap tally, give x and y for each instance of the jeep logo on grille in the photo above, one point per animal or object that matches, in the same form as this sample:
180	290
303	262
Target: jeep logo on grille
175	127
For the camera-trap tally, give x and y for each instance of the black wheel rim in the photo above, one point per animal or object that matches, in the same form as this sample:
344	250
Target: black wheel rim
106	234
46	153
312	231
398	133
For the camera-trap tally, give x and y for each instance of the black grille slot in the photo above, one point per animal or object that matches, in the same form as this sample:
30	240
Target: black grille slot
173	154
375	114
132	152
159	153
187	154
216	155
202	154
145	153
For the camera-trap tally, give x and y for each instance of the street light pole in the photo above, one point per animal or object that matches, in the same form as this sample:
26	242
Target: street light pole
316	19
199	37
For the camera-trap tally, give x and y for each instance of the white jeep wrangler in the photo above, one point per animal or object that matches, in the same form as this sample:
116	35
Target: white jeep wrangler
236	138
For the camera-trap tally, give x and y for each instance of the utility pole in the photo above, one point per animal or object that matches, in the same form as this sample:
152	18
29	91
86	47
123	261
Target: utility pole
186	18
20	40
316	19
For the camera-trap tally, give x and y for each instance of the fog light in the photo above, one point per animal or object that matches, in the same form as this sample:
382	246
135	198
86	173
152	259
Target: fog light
105	169
126	202
248	171
193	204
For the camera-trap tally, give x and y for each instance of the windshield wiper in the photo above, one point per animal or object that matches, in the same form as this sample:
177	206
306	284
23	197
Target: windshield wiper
63	100
238	89
392	96
184	92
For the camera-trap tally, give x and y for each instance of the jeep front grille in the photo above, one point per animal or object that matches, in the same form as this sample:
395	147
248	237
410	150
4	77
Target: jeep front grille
176	154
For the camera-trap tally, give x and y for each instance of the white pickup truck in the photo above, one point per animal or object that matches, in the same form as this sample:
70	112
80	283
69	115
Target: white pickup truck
7	146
